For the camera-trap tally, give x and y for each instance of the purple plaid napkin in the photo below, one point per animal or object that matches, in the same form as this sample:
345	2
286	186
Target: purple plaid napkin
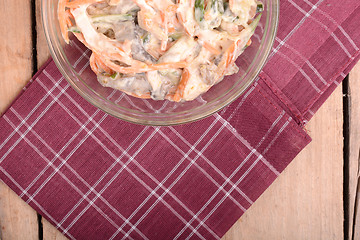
96	177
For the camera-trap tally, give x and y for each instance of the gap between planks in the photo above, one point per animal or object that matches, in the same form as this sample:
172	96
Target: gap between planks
354	154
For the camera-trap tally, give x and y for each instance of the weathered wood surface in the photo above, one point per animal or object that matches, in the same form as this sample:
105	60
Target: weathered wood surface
306	202
17	220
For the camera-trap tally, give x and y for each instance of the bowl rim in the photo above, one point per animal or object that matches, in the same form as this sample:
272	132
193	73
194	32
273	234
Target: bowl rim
58	54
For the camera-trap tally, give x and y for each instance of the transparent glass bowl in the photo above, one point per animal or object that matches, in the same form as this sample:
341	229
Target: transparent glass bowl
72	61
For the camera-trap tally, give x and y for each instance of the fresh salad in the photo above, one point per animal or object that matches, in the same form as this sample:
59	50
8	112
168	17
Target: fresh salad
161	49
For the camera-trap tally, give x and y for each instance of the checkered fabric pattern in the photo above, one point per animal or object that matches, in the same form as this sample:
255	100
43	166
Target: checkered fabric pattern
96	177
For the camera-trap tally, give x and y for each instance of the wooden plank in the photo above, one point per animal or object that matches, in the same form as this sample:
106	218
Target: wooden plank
15	49
50	232
306	201
354	154
17	219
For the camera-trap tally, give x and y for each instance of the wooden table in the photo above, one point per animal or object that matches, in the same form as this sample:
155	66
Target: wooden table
310	200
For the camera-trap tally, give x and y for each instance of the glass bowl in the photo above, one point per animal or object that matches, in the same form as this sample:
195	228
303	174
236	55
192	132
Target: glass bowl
73	62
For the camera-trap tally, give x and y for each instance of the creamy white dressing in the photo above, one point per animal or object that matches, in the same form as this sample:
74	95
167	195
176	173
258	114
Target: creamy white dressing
92	37
182	50
202	44
242	8
137	85
197	84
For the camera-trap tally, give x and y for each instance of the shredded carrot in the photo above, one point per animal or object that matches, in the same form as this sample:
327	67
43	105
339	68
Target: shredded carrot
116	56
163	17
143	67
169	65
100	63
143	96
93	65
179	94
249	42
211	49
167	22
231	51
230	54
69	16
